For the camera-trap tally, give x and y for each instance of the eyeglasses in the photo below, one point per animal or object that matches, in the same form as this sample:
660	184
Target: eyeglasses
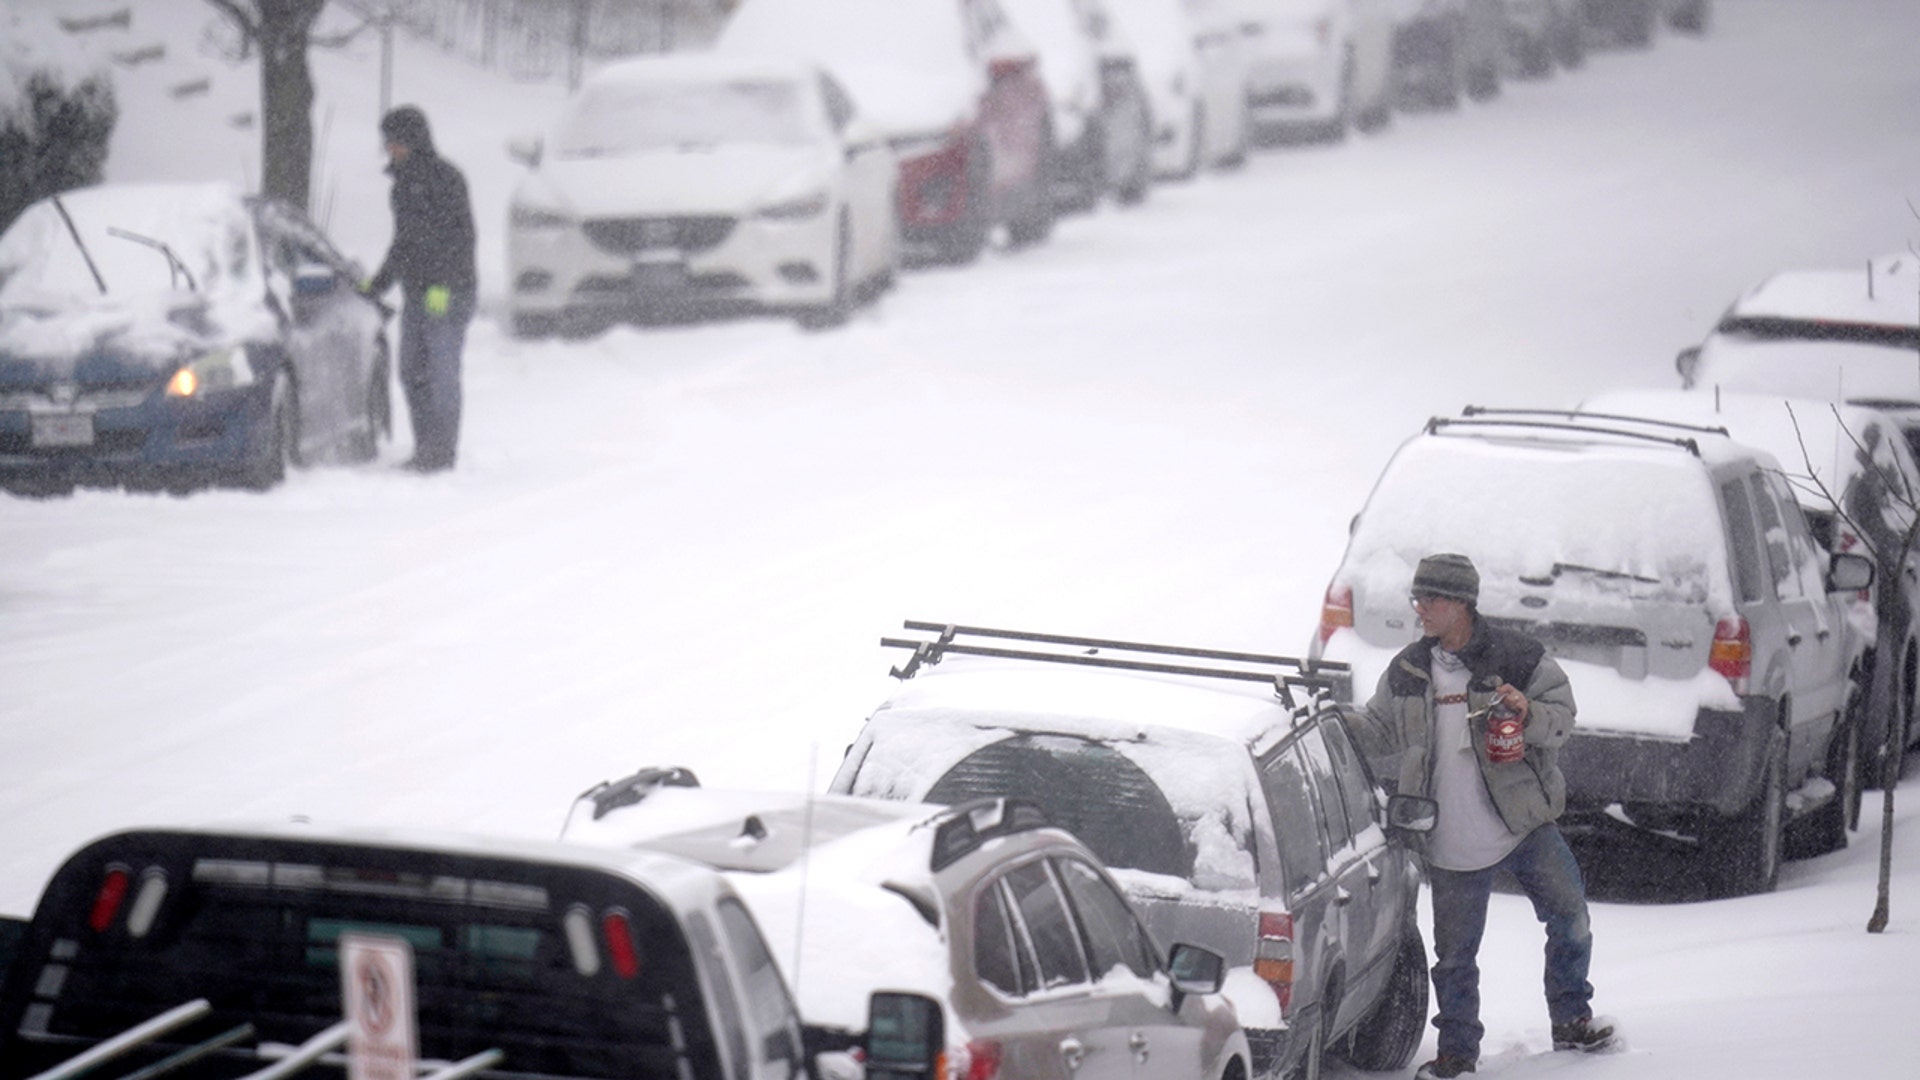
1425	599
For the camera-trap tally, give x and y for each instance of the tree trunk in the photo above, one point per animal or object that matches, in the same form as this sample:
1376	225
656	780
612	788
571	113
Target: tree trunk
286	99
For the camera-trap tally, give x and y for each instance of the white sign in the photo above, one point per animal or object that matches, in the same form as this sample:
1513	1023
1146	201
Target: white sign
376	991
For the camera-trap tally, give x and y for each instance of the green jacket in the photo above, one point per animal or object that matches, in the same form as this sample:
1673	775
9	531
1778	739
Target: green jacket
1395	729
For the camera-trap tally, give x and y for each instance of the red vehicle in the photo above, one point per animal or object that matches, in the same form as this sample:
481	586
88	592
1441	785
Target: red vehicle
955	89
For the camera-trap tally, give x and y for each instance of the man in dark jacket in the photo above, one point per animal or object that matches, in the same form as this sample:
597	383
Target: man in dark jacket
1498	798
432	259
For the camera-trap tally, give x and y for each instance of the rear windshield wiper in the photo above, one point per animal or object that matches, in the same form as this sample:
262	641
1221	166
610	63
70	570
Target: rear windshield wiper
176	266
1562	567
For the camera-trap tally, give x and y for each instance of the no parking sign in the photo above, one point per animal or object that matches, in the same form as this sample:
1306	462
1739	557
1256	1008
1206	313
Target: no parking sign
376	990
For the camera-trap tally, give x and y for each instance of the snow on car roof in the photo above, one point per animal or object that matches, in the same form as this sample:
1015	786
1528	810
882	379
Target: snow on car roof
667	874
1782	426
1098	704
686	66
1883	292
904	61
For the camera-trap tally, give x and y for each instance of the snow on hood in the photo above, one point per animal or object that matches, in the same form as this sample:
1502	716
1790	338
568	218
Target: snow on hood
735	179
52	310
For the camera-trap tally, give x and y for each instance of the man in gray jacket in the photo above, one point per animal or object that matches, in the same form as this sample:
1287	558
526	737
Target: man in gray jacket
1429	723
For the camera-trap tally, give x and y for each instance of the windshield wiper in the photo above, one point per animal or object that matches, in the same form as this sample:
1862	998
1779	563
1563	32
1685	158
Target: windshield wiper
1561	567
81	244
176	266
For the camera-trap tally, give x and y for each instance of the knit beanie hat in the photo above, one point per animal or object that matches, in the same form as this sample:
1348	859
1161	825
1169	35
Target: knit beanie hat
1448	575
407	126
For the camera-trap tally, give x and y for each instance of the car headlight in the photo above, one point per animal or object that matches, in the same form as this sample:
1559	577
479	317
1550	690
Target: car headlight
226	369
530	217
812	204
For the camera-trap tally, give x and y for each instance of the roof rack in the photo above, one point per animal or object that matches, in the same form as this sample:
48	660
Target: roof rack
1320	678
1535	419
1577	415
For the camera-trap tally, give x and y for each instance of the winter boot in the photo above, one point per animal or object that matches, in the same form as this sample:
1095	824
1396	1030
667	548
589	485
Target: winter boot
1584	1035
1444	1067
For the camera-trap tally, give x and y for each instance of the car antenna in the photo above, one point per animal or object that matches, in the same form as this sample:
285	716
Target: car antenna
806	867
74	232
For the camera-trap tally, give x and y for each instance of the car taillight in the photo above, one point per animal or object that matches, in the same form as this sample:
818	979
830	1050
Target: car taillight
1273	955
106	902
983	1060
1732	652
621	952
1336	612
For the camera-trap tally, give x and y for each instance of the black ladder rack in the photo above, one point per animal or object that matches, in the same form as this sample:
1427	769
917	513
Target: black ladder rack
1320	678
1539	423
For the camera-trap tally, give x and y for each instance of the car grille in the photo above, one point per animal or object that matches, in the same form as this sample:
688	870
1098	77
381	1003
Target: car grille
627	236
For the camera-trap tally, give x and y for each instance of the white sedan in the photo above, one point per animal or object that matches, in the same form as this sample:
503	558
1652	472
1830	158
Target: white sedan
1194	61
701	182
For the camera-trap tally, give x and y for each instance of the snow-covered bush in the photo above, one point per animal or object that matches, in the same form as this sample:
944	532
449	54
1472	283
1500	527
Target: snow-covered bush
57	112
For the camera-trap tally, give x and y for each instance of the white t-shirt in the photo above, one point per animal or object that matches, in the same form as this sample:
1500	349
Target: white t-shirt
1469	834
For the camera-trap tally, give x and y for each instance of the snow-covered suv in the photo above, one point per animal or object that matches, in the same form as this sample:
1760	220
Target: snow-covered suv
1858	458
1232	817
1043	970
1670	571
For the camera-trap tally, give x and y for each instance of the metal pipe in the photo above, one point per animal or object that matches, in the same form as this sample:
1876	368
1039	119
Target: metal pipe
139	1034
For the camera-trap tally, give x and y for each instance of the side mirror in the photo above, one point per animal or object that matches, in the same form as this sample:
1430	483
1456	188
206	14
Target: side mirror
1411	813
526	150
906	1037
1850	573
1688	365
1195	970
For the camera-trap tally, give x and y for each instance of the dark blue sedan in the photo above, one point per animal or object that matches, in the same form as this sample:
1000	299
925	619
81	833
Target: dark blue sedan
179	335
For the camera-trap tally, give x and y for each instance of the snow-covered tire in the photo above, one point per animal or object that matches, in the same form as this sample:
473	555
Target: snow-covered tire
1388	1037
839	303
277	444
1744	853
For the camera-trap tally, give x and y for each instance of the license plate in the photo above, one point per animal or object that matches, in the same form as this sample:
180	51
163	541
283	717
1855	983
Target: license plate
63	429
659	277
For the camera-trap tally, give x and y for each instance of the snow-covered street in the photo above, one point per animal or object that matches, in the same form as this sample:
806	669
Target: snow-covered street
681	544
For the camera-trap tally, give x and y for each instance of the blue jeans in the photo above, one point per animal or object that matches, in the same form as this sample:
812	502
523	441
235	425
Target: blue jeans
430	347
1548	874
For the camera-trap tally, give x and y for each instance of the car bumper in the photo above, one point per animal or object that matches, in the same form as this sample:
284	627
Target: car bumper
156	438
1718	771
746	261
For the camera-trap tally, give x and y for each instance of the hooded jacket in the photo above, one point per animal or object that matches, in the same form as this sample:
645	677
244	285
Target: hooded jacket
432	216
1396	729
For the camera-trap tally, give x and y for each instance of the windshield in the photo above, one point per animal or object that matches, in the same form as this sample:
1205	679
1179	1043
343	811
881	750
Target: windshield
626	118
140	244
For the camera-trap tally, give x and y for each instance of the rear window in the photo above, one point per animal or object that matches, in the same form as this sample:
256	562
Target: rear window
1640	523
508	955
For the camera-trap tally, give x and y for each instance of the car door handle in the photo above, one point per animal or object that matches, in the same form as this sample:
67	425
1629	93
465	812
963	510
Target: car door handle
1342	897
1794	640
1137	1042
1074	1051
1373	874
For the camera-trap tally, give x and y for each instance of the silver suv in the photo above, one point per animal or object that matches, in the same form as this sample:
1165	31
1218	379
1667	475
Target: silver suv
1222	791
1671	572
1042	969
